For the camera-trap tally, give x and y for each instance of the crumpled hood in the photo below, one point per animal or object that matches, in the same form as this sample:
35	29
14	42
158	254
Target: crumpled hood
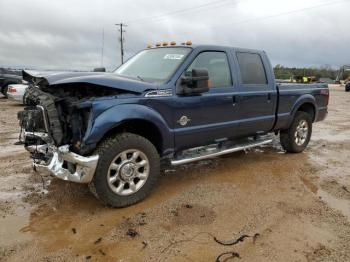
57	78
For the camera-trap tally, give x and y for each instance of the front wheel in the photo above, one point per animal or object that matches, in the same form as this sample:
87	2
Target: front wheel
296	138
127	170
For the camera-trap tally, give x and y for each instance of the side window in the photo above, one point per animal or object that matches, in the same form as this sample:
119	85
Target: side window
252	69
217	65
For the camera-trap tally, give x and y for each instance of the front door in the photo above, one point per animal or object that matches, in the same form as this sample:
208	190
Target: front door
211	116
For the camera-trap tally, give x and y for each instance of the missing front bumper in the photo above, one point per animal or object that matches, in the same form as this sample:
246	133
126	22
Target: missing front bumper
58	161
84	166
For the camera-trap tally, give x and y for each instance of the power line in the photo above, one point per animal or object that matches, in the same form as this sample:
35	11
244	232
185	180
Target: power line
284	13
184	10
235	23
224	2
121	39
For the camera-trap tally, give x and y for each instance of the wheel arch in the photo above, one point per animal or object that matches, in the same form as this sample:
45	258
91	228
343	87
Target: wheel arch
141	127
137	119
308	108
307	104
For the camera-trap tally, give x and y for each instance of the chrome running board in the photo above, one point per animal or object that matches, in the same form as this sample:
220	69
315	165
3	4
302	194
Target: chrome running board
219	152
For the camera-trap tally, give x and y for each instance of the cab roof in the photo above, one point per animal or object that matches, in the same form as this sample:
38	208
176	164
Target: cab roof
211	47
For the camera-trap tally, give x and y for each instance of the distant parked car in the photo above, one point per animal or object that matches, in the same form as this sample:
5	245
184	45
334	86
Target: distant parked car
326	80
8	77
16	92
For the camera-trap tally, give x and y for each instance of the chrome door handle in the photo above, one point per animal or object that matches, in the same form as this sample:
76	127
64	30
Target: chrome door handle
268	97
234	101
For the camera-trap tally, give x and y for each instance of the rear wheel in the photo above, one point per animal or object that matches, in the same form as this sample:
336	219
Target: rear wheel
127	170
296	138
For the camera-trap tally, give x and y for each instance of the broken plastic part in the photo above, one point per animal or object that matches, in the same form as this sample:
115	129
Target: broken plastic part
236	241
232	242
233	255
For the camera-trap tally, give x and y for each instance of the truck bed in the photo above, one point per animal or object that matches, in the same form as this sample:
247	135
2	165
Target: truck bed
291	93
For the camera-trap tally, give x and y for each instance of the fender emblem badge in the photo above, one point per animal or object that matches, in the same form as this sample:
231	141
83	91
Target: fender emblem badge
183	120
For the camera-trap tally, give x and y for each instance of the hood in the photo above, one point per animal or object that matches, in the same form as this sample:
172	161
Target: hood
56	78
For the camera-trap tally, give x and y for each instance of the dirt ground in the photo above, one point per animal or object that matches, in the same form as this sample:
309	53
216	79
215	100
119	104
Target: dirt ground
294	207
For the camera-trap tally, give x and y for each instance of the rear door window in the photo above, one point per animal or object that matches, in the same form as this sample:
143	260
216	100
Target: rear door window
252	69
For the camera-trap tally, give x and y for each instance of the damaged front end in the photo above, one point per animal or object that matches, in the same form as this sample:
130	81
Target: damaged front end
58	119
53	125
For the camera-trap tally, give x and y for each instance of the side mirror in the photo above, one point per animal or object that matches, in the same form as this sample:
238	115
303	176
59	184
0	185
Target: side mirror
196	84
99	69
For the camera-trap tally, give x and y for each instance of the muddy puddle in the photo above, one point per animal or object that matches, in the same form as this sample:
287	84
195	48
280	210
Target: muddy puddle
296	204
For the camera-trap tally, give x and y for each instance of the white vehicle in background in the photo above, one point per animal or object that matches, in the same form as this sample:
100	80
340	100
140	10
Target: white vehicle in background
16	92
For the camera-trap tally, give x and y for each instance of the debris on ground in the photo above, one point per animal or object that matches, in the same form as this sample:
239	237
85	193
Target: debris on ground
188	206
101	252
145	244
236	241
232	255
255	237
346	189
98	240
175	212
74	230
132	233
233	242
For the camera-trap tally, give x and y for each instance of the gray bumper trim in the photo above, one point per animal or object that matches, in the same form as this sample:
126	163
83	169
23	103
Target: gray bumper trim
85	166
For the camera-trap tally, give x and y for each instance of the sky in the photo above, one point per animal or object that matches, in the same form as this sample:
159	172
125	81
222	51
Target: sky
71	34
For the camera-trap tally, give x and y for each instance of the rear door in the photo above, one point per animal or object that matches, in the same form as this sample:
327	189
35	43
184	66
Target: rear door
204	118
257	97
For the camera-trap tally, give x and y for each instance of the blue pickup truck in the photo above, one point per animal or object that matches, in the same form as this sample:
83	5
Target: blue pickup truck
167	104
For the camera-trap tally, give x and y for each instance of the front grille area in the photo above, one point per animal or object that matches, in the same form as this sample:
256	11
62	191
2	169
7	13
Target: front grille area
31	119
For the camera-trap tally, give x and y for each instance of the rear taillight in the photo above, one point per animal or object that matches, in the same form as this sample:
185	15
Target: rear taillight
327	100
12	89
325	92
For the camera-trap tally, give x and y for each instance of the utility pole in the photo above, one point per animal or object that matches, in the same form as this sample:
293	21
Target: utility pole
103	46
121	39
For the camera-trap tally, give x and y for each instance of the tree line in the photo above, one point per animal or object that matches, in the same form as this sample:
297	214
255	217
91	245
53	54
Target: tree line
326	71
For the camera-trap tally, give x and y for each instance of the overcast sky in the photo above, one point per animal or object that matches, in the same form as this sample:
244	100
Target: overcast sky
67	34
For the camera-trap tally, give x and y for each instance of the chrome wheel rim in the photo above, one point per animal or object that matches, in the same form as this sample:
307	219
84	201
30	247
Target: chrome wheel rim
128	172
301	132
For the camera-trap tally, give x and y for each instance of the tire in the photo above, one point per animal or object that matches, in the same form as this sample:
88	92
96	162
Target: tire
4	90
292	141
128	172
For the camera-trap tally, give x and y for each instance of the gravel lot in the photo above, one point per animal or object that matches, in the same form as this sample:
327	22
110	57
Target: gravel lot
295	207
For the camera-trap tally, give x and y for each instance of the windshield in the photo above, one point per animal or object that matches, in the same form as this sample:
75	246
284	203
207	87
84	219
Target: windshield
154	65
